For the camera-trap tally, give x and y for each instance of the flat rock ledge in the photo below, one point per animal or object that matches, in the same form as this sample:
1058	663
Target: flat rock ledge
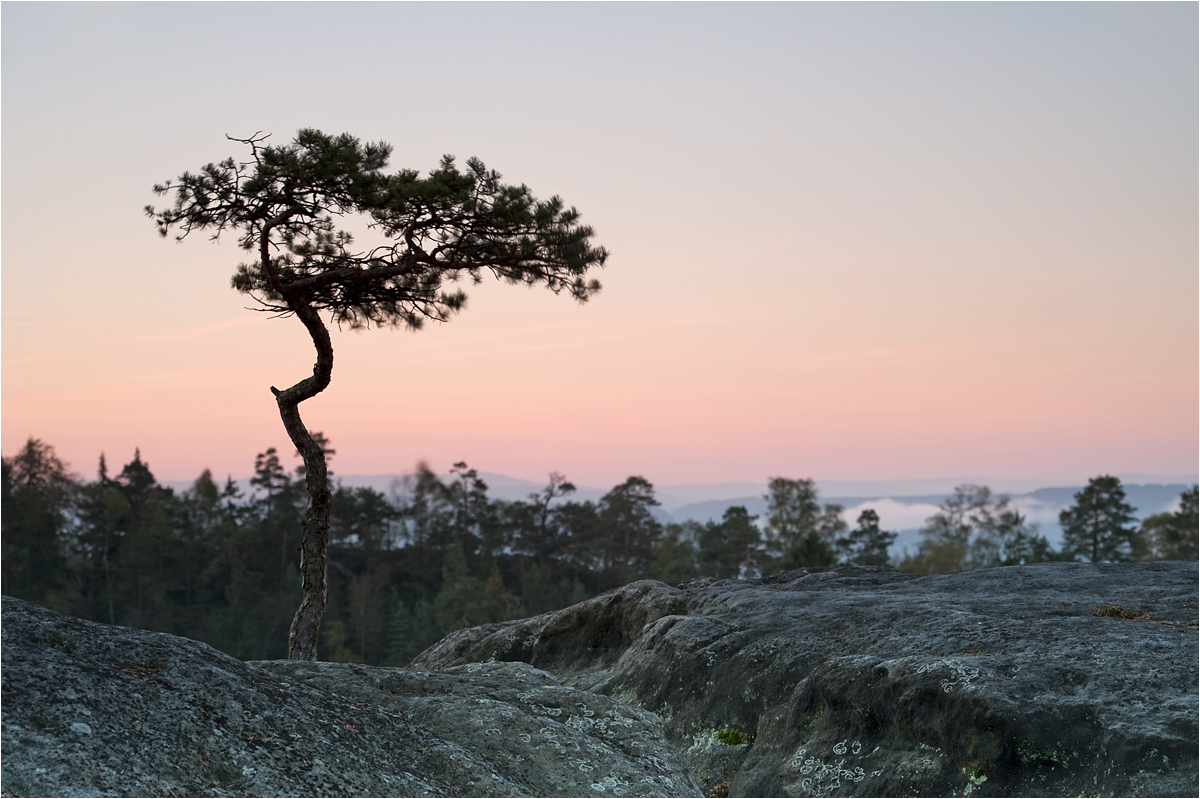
1063	679
94	710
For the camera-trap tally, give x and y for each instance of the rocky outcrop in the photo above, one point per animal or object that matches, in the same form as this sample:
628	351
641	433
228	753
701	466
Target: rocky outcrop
94	710
1052	679
1055	679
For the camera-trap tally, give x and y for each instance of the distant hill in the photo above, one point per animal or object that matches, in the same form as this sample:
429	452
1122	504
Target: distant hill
1145	499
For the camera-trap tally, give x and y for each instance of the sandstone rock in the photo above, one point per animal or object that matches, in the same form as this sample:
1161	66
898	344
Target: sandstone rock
864	681
94	710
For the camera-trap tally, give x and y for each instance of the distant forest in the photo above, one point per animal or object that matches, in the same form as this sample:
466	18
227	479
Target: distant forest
218	565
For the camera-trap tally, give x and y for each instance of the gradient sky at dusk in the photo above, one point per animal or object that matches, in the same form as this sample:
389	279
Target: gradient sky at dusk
849	241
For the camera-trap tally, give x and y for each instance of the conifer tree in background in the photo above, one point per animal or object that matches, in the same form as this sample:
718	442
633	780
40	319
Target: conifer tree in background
543	537
866	544
1174	536
39	495
674	554
1188	515
475	525
1100	525
724	547
630	529
284	203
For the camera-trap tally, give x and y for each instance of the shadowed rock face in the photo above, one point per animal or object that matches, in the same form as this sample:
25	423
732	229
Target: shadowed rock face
94	710
865	681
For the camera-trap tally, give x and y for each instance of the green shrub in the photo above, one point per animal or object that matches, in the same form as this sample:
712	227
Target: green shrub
731	737
1115	612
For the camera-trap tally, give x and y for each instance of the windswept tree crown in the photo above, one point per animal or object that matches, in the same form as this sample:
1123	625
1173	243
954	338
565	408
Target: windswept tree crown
448	226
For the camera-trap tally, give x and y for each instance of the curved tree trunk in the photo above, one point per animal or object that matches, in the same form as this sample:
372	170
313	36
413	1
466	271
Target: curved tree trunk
302	638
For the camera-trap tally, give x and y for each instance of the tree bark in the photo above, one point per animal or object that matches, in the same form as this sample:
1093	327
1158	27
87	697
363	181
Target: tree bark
314	591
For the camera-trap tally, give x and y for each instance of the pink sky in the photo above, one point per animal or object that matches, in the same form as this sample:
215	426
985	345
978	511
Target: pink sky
849	242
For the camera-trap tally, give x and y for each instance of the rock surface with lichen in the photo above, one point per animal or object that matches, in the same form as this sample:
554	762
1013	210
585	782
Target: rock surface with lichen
94	710
1065	679
1055	679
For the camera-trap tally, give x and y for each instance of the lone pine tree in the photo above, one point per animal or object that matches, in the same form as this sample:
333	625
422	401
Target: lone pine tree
1100	526
289	204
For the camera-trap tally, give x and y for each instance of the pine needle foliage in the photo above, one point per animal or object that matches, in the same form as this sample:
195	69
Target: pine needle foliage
448	226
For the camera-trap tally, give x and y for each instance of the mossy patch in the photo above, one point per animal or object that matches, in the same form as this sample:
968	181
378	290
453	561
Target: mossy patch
1115	611
731	737
975	778
982	746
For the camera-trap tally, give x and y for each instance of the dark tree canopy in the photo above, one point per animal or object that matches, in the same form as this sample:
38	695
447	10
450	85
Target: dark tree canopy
442	228
1100	525
727	547
626	512
287	204
867	544
1176	535
217	565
